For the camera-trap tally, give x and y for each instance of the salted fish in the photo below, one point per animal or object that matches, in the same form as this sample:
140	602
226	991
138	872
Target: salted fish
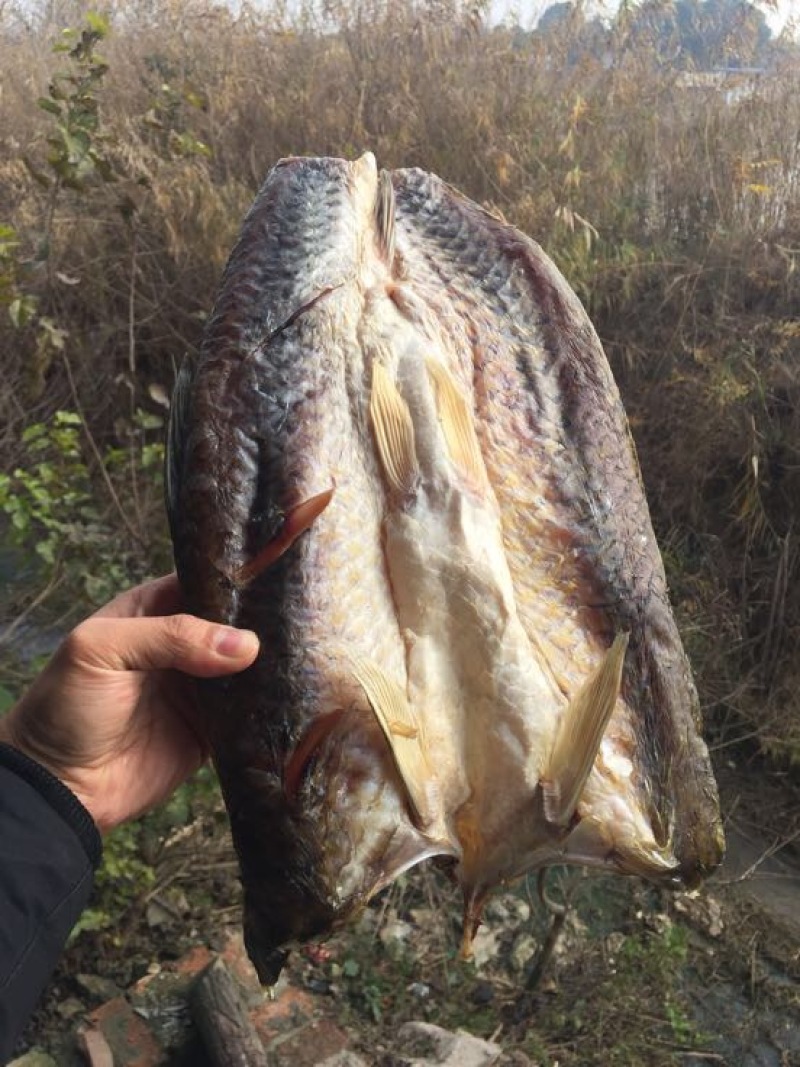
402	459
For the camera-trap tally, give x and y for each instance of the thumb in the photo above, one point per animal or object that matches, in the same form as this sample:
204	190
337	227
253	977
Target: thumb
178	642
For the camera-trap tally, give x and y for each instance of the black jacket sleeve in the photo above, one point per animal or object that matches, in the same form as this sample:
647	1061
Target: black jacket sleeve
49	847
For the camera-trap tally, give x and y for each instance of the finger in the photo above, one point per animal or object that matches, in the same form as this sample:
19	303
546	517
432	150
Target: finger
180	642
161	596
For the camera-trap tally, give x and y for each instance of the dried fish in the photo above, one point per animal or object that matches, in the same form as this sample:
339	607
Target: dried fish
402	459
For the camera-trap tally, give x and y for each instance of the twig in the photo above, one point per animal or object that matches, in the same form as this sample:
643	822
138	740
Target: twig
713	1057
132	308
200	868
52	585
777	611
768	853
97	455
559	914
132	368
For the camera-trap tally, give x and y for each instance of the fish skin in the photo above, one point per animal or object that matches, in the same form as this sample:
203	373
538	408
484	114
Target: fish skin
486	539
260	425
558	397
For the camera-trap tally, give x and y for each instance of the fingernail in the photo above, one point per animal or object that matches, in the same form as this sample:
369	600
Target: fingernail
235	643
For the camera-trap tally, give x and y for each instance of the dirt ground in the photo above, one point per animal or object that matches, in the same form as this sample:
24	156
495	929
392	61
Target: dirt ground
638	976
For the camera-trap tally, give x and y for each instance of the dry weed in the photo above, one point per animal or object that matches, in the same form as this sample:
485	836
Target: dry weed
672	208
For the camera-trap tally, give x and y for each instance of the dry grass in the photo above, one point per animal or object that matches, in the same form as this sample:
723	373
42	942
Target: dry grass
673	211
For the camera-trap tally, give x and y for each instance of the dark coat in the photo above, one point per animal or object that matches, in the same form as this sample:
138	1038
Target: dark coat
49	849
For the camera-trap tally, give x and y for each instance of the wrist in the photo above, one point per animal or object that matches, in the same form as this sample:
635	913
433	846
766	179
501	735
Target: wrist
17	738
5	732
8	735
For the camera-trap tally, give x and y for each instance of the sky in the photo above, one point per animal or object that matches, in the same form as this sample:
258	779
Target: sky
527	12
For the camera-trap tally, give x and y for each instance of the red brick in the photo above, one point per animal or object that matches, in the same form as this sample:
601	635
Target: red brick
127	1033
234	956
291	1009
193	962
308	1045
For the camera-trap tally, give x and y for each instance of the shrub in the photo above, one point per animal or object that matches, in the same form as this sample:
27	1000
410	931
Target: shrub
669	200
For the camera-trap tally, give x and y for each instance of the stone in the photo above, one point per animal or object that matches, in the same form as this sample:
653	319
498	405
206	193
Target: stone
516	1059
35	1057
426	1045
70	1007
395	931
420	990
524	949
98	989
485	946
345	1058
483	993
158	915
508	910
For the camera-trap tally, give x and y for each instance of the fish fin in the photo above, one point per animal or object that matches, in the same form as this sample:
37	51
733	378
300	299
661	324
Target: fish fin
474	902
303	752
394	431
296	521
384	215
176	434
456	421
403	734
580	732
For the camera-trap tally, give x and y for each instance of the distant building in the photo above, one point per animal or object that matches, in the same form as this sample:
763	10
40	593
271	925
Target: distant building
732	83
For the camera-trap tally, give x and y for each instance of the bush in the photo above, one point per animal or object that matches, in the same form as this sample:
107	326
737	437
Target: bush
669	199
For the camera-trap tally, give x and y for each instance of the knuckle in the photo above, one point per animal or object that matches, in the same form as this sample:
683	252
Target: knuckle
183	631
78	646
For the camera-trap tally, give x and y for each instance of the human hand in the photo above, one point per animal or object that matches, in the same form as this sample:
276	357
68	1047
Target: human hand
112	714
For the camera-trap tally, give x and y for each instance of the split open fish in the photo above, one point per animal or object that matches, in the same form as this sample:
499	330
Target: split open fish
401	458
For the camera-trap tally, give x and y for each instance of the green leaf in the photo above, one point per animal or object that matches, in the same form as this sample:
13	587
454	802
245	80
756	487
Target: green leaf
146	420
7	698
97	23
22	310
77	144
67	418
51	334
47	550
35	432
47	104
91	919
195	99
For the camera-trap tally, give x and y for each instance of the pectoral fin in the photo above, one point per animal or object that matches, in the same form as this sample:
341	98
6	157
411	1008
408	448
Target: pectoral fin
296	521
456	422
385	216
403	734
394	431
319	730
580	732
